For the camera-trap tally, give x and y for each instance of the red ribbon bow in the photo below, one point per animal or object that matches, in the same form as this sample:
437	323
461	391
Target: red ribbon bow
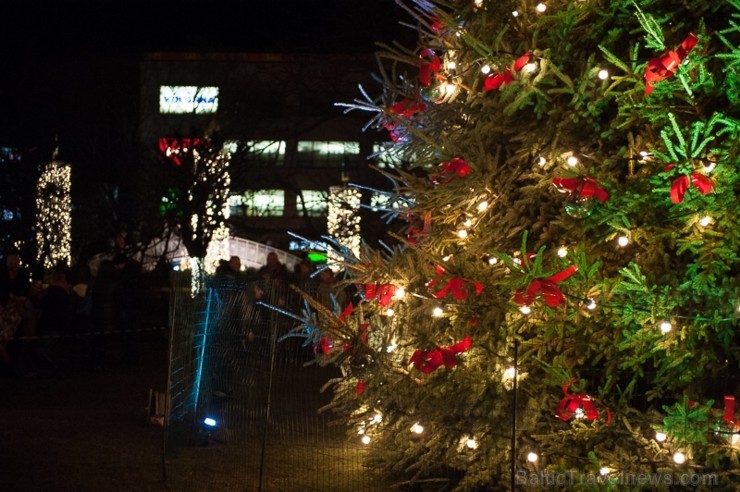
455	286
547	287
406	108
681	185
570	405
663	66
496	80
427	361
382	292
581	187
454	167
729	415
429	64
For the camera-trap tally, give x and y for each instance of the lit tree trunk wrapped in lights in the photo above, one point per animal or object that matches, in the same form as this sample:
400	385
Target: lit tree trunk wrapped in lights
562	299
197	203
53	214
343	218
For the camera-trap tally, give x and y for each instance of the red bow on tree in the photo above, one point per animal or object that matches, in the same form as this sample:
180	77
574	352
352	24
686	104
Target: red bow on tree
455	286
681	185
663	66
382	292
427	361
429	64
405	108
454	167
578	406
496	80
546	287
581	188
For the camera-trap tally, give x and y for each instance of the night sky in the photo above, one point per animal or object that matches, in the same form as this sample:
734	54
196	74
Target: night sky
65	64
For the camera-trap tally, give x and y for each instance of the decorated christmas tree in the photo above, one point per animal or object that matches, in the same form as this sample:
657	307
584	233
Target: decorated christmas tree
561	304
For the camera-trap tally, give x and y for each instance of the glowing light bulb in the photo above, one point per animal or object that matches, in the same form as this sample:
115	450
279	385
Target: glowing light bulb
572	161
604	471
709	167
417	428
643	154
660	436
666	326
462	233
209	422
541	161
399	293
365	439
376	418
360	430
579	414
438	312
482	206
562	251
451	65
390	312
510	373
591	305
478	3
485	69
529	68
390	348
541	7
468	223
515	13
449	88
603	74
705	221
525	310
532	457
623	241
471	443
492	260
679	458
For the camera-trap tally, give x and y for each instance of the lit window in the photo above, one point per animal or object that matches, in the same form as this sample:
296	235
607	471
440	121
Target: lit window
328	154
236	205
188	99
388	157
264	203
312	202
266	152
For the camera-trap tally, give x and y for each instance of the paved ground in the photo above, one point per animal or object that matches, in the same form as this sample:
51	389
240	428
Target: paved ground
84	431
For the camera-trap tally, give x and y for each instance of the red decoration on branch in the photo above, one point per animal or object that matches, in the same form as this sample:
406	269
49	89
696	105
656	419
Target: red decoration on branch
546	287
496	80
451	170
578	406
347	312
663	66
680	185
429	65
427	361
360	387
581	188
405	108
729	414
457	286
382	292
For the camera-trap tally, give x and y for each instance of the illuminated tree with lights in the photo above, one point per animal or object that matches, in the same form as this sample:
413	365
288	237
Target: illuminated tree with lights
563	296
54	214
197	203
343	218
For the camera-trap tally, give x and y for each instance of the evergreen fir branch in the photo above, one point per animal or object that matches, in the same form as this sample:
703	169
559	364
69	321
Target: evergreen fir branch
654	38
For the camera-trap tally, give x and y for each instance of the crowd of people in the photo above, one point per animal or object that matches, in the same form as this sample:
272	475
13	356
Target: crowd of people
68	303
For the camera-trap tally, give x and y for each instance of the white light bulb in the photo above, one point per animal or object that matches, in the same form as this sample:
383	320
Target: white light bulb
478	3
399	293
390	348
449	88
623	241
562	251
485	69
451	65
679	458
705	221
492	260
515	13
541	7
509	373
471	443
468	223
591	305
660	436
482	206
365	439
462	233
438	312
529	68
417	428
390	312
709	167
376	418
525	310
604	471
666	326
603	74
572	161
541	161
532	457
